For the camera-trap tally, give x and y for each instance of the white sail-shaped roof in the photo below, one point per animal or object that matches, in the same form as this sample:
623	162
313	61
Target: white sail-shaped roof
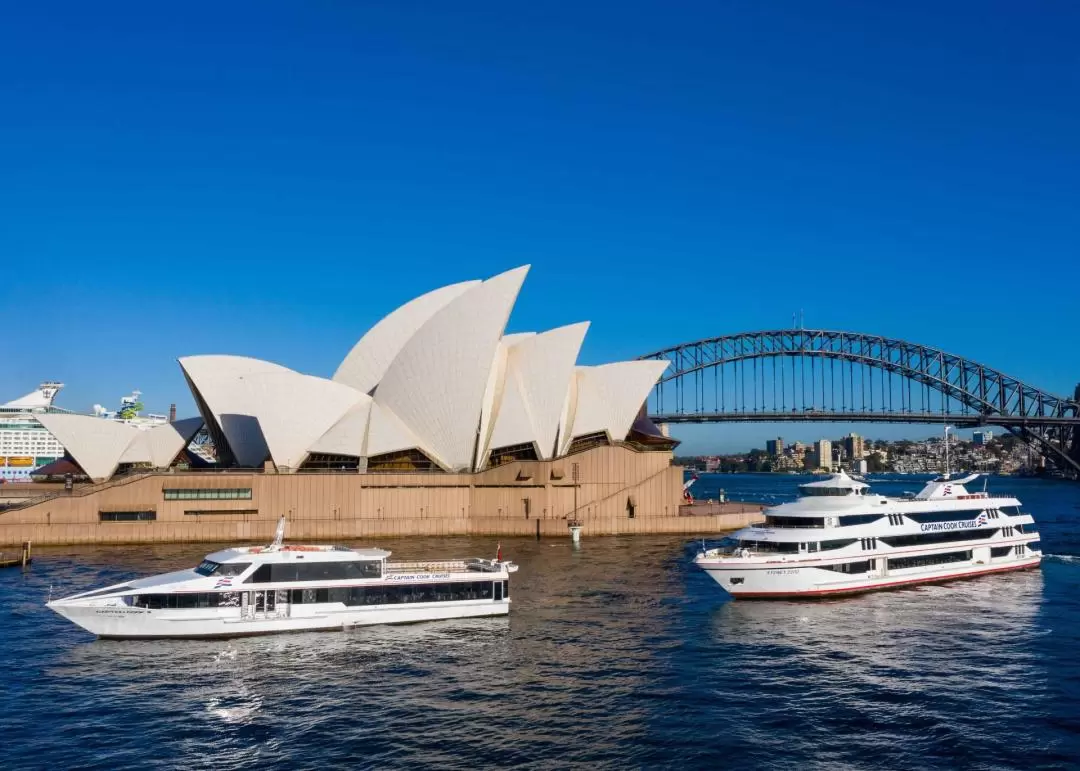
216	381
369	359
160	445
386	433
294	410
539	371
609	396
346	437
96	444
437	383
266	409
494	392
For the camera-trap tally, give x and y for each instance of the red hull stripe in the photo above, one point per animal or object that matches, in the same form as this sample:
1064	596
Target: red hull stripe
890	584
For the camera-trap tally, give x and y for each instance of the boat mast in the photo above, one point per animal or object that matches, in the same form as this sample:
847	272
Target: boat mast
279	535
946	474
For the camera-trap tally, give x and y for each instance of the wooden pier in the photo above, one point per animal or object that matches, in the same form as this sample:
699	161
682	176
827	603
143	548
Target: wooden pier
21	560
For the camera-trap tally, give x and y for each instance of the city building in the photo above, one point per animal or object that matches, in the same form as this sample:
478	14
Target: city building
436	422
982	438
822	455
775	446
854	446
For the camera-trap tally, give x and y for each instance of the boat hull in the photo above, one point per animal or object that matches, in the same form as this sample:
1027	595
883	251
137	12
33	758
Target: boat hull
127	623
793	582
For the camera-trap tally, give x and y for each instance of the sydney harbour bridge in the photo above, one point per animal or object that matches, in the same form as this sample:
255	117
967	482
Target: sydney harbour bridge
810	375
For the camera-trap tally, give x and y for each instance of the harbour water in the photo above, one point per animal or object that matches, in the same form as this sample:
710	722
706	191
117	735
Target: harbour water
616	654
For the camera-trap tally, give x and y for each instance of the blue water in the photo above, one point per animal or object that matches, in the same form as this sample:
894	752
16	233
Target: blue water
618	654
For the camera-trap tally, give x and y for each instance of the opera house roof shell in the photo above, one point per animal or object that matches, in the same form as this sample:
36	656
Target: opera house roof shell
437	379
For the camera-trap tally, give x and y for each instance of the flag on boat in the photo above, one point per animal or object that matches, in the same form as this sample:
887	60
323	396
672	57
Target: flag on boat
223	582
498	552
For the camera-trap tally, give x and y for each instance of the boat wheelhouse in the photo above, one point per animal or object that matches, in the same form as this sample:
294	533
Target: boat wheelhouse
838	538
285	588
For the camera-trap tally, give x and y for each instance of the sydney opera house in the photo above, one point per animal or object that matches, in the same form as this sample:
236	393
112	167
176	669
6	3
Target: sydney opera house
436	422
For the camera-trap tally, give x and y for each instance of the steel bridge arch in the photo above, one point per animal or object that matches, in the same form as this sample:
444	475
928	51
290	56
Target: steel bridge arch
999	399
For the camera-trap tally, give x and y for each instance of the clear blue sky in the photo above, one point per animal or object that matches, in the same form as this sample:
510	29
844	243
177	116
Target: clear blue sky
269	179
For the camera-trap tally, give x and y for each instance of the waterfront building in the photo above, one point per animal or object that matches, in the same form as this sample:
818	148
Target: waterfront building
774	447
436	422
982	438
854	446
822	454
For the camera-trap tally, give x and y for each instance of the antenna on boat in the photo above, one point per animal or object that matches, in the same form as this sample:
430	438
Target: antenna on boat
279	535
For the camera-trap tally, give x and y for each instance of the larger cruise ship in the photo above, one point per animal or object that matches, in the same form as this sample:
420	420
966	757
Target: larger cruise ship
26	445
839	538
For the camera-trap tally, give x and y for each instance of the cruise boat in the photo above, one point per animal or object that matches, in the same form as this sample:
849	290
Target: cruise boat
25	445
839	538
290	588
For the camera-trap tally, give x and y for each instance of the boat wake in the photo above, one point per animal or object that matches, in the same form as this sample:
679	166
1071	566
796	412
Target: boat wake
1071	559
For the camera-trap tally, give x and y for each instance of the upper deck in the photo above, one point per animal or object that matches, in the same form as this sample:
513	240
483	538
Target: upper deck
290	552
843	496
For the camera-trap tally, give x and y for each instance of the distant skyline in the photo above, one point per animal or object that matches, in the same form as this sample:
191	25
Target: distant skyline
271	179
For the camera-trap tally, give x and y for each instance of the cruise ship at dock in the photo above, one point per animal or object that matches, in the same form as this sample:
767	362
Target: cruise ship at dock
26	445
839	538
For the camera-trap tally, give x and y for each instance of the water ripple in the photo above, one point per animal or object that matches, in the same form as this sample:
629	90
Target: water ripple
617	655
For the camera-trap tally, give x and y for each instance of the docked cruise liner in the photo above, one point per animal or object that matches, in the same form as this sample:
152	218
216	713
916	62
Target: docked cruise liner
290	588
838	538
26	445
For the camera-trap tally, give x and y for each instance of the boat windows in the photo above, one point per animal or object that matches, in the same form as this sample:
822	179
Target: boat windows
858	519
776	547
838	543
945	516
811	492
211	568
861	566
1010	511
999	551
925	560
401	594
923	539
1034	546
786	522
286	572
186	600
207	567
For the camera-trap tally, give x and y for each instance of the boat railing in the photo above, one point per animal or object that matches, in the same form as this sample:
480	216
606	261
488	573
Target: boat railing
444	566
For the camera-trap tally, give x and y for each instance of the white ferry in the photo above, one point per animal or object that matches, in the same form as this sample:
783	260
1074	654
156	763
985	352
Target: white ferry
290	588
839	538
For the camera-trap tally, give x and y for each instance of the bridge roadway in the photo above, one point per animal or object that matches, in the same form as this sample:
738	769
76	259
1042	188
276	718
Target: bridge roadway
824	416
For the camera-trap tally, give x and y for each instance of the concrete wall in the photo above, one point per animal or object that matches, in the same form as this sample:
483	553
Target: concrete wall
613	481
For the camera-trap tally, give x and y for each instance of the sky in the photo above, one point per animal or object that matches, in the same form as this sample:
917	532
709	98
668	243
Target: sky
269	179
